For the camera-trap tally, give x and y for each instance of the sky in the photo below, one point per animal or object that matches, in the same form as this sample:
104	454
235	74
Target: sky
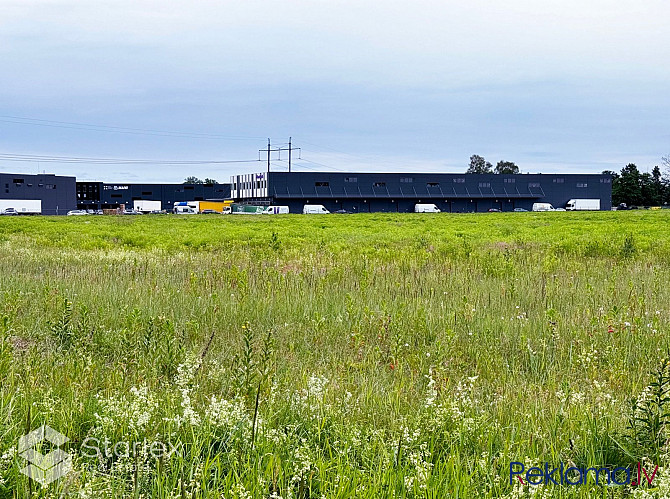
553	85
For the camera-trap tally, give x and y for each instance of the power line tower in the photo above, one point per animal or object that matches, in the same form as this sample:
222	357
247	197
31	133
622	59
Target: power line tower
269	150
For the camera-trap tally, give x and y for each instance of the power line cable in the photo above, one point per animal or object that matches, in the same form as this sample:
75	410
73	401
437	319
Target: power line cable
112	161
117	129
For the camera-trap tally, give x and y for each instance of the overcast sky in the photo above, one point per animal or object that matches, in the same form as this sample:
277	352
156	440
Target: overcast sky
553	85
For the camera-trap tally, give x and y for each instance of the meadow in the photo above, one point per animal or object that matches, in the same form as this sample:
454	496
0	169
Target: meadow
367	356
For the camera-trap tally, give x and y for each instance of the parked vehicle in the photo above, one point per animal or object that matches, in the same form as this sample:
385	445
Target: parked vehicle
182	208
146	206
247	209
76	213
217	206
520	209
210	212
543	207
21	206
312	209
227	210
132	212
583	205
426	208
622	206
276	210
9	211
342	212
494	210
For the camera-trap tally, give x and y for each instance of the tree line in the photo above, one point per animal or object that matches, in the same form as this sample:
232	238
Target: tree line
196	180
479	165
641	189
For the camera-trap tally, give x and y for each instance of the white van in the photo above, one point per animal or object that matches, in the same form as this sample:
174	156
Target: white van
184	210
426	208
543	207
314	209
276	210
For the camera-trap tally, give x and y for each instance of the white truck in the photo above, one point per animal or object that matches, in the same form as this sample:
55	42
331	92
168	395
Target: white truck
426	208
21	206
185	208
543	207
276	210
145	206
314	209
583	205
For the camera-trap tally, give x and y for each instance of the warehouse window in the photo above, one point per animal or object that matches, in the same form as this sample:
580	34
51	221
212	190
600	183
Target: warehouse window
406	180
379	184
147	193
18	180
432	184
116	195
510	181
484	184
533	184
321	184
559	180
605	180
351	179
188	187
582	185
30	185
50	186
459	180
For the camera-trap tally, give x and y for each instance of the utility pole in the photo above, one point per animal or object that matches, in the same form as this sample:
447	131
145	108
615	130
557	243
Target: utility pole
278	150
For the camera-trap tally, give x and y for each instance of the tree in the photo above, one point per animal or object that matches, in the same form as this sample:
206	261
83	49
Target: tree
210	181
627	188
506	167
193	180
479	165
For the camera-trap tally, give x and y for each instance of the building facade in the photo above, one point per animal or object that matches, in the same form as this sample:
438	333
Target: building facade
57	193
99	195
399	192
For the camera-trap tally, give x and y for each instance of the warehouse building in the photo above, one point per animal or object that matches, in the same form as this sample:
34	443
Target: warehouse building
100	196
399	192
56	193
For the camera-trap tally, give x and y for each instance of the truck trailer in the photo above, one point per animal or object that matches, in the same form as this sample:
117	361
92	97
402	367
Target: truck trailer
583	205
146	206
21	206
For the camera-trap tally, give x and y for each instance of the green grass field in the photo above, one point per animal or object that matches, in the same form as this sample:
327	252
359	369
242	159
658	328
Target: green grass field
335	356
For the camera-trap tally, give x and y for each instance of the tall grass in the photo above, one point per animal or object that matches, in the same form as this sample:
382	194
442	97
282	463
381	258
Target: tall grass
361	356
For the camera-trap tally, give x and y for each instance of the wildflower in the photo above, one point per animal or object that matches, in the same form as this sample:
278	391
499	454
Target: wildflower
610	329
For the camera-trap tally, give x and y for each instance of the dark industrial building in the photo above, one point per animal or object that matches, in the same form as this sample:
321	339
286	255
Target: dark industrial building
399	192
99	195
58	194
353	192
